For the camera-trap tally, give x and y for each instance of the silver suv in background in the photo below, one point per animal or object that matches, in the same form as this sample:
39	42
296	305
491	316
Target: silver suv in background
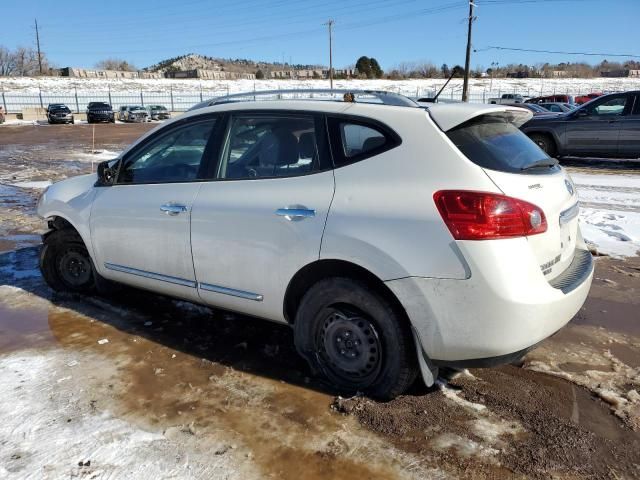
133	113
158	112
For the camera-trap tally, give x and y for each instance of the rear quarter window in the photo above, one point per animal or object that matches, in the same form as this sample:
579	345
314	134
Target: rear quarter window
355	139
493	142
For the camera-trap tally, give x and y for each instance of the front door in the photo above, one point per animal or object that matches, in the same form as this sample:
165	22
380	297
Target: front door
629	140
594	129
140	225
262	219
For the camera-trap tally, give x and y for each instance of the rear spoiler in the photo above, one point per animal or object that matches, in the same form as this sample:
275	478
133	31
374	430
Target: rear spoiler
448	116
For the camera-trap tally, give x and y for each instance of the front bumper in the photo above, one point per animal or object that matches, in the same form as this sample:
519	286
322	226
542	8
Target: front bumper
506	307
100	117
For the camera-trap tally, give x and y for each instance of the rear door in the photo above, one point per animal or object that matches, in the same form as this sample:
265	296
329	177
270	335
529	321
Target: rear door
595	128
629	140
522	170
261	219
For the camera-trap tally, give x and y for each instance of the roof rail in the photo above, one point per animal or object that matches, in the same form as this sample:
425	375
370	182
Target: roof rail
359	96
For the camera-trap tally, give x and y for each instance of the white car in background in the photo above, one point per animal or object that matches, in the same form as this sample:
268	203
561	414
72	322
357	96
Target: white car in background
393	239
133	113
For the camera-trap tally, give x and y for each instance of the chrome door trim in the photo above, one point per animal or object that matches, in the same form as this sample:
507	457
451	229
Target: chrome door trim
153	276
569	214
256	297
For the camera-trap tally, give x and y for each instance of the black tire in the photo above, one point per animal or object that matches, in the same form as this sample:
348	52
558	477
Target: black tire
65	263
545	142
89	120
379	359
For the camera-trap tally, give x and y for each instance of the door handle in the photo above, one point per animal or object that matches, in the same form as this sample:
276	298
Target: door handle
172	208
295	213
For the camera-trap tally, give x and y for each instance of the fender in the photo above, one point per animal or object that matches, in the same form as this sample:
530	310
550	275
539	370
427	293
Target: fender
71	200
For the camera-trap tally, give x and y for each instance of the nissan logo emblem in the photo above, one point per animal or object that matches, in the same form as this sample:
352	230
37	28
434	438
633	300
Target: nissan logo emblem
569	186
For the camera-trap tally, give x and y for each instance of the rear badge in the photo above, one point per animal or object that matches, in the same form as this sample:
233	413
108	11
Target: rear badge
536	186
569	186
546	267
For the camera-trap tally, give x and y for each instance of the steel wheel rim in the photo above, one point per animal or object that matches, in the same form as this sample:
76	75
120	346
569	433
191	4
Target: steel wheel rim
74	268
350	346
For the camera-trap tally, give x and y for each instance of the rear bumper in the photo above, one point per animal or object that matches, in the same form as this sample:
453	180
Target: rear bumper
505	308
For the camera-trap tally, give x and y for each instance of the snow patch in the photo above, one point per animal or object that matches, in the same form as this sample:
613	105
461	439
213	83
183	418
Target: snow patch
38	185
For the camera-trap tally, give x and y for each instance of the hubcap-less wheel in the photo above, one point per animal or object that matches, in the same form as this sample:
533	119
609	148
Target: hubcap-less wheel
350	346
74	268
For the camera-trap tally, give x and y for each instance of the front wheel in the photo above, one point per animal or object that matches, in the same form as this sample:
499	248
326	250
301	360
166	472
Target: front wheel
65	263
356	338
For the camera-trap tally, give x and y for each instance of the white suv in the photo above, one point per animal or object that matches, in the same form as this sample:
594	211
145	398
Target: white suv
394	239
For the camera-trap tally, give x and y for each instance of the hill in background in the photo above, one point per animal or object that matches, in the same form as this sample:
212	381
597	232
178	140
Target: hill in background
193	61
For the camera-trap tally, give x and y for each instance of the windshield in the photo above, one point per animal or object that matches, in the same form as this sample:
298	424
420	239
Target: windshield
60	110
536	108
492	142
99	105
136	108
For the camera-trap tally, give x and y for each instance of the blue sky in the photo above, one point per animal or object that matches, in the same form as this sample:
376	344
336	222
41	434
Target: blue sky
81	32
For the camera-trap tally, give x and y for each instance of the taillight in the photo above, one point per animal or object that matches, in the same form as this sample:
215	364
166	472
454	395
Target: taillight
483	216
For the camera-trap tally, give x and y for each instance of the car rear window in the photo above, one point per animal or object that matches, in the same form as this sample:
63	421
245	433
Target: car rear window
493	142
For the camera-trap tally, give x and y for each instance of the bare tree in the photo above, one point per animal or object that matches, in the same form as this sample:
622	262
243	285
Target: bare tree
116	64
7	62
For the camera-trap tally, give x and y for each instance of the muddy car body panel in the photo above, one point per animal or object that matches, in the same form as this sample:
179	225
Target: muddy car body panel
253	206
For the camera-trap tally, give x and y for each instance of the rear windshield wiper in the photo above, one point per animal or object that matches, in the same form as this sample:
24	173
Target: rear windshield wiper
545	162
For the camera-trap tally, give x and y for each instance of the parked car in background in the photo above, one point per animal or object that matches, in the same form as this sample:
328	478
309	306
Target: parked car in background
133	113
100	112
285	223
608	126
535	109
557	107
580	99
2	114
507	98
551	99
158	112
59	113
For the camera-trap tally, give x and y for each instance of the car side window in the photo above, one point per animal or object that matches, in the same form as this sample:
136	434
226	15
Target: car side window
612	107
636	107
355	140
266	146
171	157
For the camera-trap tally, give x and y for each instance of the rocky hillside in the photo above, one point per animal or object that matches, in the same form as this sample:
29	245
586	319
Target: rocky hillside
194	61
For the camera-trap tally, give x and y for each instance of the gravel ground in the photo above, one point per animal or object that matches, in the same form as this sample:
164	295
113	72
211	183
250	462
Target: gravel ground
182	391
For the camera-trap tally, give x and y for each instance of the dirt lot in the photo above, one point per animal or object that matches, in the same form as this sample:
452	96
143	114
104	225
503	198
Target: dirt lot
141	386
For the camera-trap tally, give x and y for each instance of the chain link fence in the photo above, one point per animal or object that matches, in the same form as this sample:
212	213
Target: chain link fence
179	101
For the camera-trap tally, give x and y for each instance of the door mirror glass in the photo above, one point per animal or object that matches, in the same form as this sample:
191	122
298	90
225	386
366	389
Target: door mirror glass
107	172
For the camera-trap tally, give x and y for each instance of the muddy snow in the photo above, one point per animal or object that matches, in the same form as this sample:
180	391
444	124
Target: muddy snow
141	386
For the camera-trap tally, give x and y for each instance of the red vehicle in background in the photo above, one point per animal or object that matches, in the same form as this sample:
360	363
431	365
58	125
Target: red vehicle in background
580	99
551	99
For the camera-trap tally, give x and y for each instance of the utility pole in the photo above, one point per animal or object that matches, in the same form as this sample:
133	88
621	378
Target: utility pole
467	61
330	24
38	44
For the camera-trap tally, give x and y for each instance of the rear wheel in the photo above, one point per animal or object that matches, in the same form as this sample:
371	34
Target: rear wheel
545	142
65	263
356	338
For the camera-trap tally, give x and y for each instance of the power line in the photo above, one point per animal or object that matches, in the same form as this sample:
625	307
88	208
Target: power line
593	54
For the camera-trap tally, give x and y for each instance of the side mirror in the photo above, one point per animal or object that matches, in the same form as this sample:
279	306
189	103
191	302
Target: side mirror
106	174
582	112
